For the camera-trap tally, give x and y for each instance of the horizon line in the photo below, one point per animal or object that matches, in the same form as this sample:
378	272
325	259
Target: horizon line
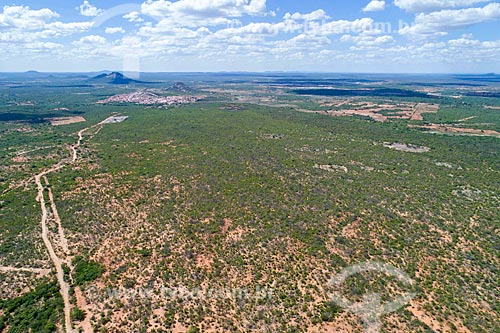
247	72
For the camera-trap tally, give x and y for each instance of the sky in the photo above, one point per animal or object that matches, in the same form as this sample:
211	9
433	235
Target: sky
393	36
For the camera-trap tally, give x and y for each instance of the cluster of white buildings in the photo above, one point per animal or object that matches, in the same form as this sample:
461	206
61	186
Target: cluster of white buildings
148	98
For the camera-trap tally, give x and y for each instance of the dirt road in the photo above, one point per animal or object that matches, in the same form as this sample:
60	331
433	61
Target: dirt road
63	286
58	262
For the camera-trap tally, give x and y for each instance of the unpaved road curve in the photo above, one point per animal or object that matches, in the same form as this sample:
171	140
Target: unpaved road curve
58	262
78	143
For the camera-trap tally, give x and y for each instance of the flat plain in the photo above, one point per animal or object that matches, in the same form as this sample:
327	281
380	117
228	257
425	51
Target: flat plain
265	184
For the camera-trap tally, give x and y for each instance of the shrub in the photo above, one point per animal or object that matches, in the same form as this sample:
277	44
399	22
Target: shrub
78	314
86	270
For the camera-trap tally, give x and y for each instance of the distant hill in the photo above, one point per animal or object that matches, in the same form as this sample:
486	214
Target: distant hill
112	78
35	74
180	87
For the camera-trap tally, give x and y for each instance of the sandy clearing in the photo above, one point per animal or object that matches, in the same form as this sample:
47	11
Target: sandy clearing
433	323
456	130
406	147
366	113
405	111
58	121
466	119
85	325
422	108
331	168
40	271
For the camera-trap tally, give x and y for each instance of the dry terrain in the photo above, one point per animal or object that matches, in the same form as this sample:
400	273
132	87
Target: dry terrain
59	121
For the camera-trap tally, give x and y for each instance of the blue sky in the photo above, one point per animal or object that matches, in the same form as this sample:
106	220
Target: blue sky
397	36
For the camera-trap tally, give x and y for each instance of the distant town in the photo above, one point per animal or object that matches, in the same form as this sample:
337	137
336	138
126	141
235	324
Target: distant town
150	98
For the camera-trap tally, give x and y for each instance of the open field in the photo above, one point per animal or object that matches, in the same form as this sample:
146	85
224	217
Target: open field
58	121
457	130
232	214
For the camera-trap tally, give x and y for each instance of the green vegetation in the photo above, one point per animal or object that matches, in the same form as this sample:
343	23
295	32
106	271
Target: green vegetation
237	194
330	311
37	311
193	329
78	314
86	270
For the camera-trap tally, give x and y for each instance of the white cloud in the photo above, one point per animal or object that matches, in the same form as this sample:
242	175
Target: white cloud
43	46
203	12
256	7
21	24
264	28
464	41
439	23
214	34
419	6
317	15
23	17
374	6
368	40
346	27
114	30
86	9
62	28
92	39
133	17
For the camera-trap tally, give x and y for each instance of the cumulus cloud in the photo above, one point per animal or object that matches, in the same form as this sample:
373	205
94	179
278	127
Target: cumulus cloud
43	46
114	30
464	41
63	28
258	29
23	17
92	39
133	17
21	24
419	6
347	27
202	12
367	40
317	15
234	31
374	6
439	23
86	9
256	7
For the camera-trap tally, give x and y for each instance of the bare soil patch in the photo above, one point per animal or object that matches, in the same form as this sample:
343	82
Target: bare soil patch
456	130
422	108
332	168
409	148
58	121
392	110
